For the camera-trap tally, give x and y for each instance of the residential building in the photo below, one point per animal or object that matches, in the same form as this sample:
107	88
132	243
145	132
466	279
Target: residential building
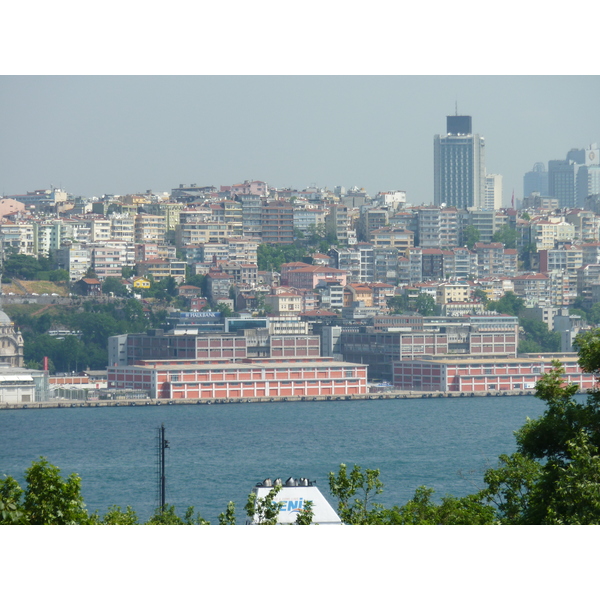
122	227
534	288
493	192
75	259
17	237
47	237
337	222
252	205
277	222
149	228
161	269
392	237
283	304
308	277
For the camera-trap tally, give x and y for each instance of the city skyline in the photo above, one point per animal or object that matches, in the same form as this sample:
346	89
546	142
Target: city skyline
94	135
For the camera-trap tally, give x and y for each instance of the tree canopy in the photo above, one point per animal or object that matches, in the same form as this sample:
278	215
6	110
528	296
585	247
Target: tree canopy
472	236
506	235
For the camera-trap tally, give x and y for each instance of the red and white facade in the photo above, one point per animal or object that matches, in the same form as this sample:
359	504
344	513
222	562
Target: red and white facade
249	378
484	375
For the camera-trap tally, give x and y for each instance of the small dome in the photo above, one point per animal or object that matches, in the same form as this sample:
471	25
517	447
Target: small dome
4	318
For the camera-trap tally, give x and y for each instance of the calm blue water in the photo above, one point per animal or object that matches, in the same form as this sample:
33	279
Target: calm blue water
218	452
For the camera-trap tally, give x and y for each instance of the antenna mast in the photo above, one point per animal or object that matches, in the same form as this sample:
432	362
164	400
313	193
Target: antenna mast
163	444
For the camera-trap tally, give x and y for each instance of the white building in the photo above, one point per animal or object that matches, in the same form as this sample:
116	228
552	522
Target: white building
493	192
75	259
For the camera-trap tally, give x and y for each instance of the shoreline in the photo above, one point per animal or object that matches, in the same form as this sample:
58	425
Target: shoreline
124	401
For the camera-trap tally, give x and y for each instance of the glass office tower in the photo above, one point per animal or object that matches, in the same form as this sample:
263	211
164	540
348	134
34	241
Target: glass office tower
459	165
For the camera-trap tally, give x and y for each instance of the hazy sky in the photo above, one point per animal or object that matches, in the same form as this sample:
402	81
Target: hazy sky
93	135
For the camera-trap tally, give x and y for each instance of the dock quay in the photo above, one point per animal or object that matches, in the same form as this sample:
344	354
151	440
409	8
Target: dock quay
123	401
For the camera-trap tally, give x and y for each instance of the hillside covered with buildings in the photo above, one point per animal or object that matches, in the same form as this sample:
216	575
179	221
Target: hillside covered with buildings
247	290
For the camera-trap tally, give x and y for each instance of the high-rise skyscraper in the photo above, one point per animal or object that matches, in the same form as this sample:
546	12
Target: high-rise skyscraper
459	165
572	180
588	175
536	180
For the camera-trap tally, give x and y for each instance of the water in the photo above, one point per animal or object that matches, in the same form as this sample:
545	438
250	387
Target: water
218	452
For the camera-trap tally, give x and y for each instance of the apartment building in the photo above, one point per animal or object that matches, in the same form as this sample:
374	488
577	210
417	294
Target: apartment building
17	237
149	228
337	222
277	222
74	258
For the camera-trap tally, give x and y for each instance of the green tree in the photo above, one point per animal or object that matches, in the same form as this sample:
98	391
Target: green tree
398	304
264	511
224	309
537	337
592	315
509	304
306	515
228	517
96	327
425	305
113	285
51	500
134	312
11	512
127	272
421	510
59	275
481	296
507	235
116	516
197	280
509	486
355	492
472	236
21	266
554	477
166	515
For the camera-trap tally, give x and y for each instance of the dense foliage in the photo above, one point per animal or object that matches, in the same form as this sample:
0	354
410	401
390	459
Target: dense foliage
536	337
91	325
270	258
507	235
22	266
509	304
471	235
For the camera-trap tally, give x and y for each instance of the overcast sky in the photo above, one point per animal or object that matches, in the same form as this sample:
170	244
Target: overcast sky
93	135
